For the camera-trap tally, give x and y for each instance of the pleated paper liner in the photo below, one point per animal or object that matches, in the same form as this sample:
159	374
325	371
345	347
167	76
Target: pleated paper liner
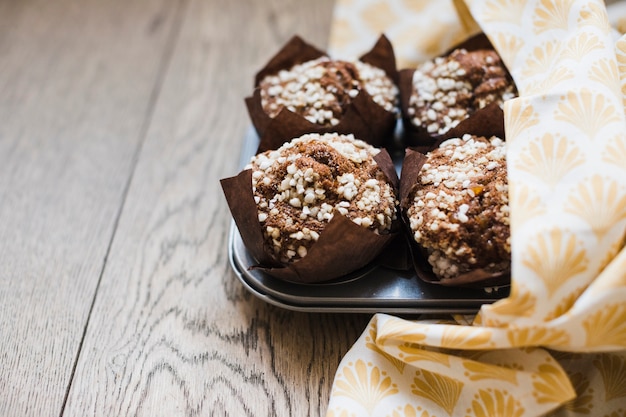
482	121
343	246
364	118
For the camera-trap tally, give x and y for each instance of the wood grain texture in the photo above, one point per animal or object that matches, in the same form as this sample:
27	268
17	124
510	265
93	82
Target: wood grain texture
76	80
172	331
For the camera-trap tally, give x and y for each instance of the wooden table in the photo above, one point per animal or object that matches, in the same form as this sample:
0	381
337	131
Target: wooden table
117	119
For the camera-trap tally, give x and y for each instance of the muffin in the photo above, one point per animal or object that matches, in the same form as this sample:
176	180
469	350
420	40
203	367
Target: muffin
449	89
301	186
322	89
460	92
458	211
302	90
319	207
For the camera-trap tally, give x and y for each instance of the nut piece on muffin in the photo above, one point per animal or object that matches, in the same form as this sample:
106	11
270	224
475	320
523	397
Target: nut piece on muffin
321	90
299	187
459	210
449	89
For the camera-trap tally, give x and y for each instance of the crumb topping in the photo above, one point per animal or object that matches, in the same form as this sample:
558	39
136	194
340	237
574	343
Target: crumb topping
321	90
459	210
449	89
300	186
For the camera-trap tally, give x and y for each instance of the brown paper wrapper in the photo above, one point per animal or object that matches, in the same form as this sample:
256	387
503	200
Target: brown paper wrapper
413	162
364	118
343	246
488	121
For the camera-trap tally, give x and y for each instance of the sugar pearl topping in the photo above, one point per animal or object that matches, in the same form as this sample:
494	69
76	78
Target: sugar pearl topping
320	90
299	187
460	210
449	89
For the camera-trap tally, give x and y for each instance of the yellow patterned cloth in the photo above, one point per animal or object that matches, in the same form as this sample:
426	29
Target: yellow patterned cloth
557	344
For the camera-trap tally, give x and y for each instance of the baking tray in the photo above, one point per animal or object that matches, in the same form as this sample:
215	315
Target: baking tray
370	290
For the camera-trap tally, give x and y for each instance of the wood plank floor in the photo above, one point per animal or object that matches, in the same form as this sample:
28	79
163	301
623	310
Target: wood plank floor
71	119
117	119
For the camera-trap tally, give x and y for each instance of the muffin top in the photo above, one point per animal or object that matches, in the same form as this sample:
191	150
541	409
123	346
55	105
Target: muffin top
449	89
321	90
459	209
299	187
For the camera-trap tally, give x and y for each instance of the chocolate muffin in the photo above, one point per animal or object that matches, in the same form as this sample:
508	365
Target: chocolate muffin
449	89
458	211
302	90
299	187
322	89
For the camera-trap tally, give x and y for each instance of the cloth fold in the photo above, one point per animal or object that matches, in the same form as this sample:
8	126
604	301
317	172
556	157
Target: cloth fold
557	344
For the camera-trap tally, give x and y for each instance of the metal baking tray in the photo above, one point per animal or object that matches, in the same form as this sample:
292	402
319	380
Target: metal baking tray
370	290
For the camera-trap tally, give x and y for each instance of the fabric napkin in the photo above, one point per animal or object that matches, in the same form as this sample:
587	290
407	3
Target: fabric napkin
557	344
